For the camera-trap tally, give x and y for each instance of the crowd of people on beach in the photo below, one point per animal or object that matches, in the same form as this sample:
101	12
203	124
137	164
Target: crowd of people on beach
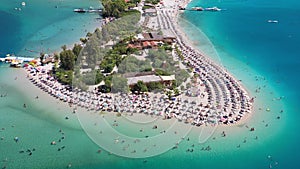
226	97
235	100
227	102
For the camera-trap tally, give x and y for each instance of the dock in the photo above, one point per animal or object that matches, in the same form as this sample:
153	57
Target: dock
10	59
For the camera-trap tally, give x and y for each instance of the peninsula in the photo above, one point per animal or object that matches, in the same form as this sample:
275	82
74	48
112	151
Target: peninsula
139	61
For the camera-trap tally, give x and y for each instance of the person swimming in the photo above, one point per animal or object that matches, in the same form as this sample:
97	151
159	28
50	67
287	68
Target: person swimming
16	139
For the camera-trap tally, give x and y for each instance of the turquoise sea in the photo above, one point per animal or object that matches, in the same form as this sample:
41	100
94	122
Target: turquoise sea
43	26
263	55
253	49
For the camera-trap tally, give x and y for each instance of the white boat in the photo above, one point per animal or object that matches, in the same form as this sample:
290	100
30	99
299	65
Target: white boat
213	9
23	4
273	21
16	63
197	9
79	10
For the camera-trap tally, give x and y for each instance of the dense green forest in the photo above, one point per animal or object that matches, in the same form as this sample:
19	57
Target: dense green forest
117	8
93	61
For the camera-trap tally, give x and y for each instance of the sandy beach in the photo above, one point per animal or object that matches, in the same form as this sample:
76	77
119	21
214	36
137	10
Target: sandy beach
136	131
172	8
91	119
39	130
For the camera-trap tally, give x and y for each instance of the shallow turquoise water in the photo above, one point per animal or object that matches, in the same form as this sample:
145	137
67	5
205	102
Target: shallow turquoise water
245	44
249	46
43	26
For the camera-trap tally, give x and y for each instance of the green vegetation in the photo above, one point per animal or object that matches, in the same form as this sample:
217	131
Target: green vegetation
93	77
162	60
166	47
42	57
96	53
67	59
113	8
118	8
64	73
65	77
154	2
140	87
115	56
132	64
121	28
106	88
130	12
169	94
176	92
70	61
134	1
164	65
181	76
119	84
160	72
155	87
105	49
146	7
188	85
76	50
179	53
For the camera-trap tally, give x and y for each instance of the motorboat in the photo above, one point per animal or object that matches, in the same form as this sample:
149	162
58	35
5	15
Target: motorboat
79	10
273	21
197	9
90	10
213	9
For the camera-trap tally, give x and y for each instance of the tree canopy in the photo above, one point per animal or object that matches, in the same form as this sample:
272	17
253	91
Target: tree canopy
67	59
132	64
140	86
113	8
119	84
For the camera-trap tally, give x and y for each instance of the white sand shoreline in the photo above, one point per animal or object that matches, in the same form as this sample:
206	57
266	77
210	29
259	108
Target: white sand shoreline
172	6
176	14
64	95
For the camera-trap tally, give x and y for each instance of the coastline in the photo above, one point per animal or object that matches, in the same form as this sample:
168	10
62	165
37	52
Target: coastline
266	146
236	133
59	110
88	114
55	110
258	116
48	31
182	39
176	12
51	107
